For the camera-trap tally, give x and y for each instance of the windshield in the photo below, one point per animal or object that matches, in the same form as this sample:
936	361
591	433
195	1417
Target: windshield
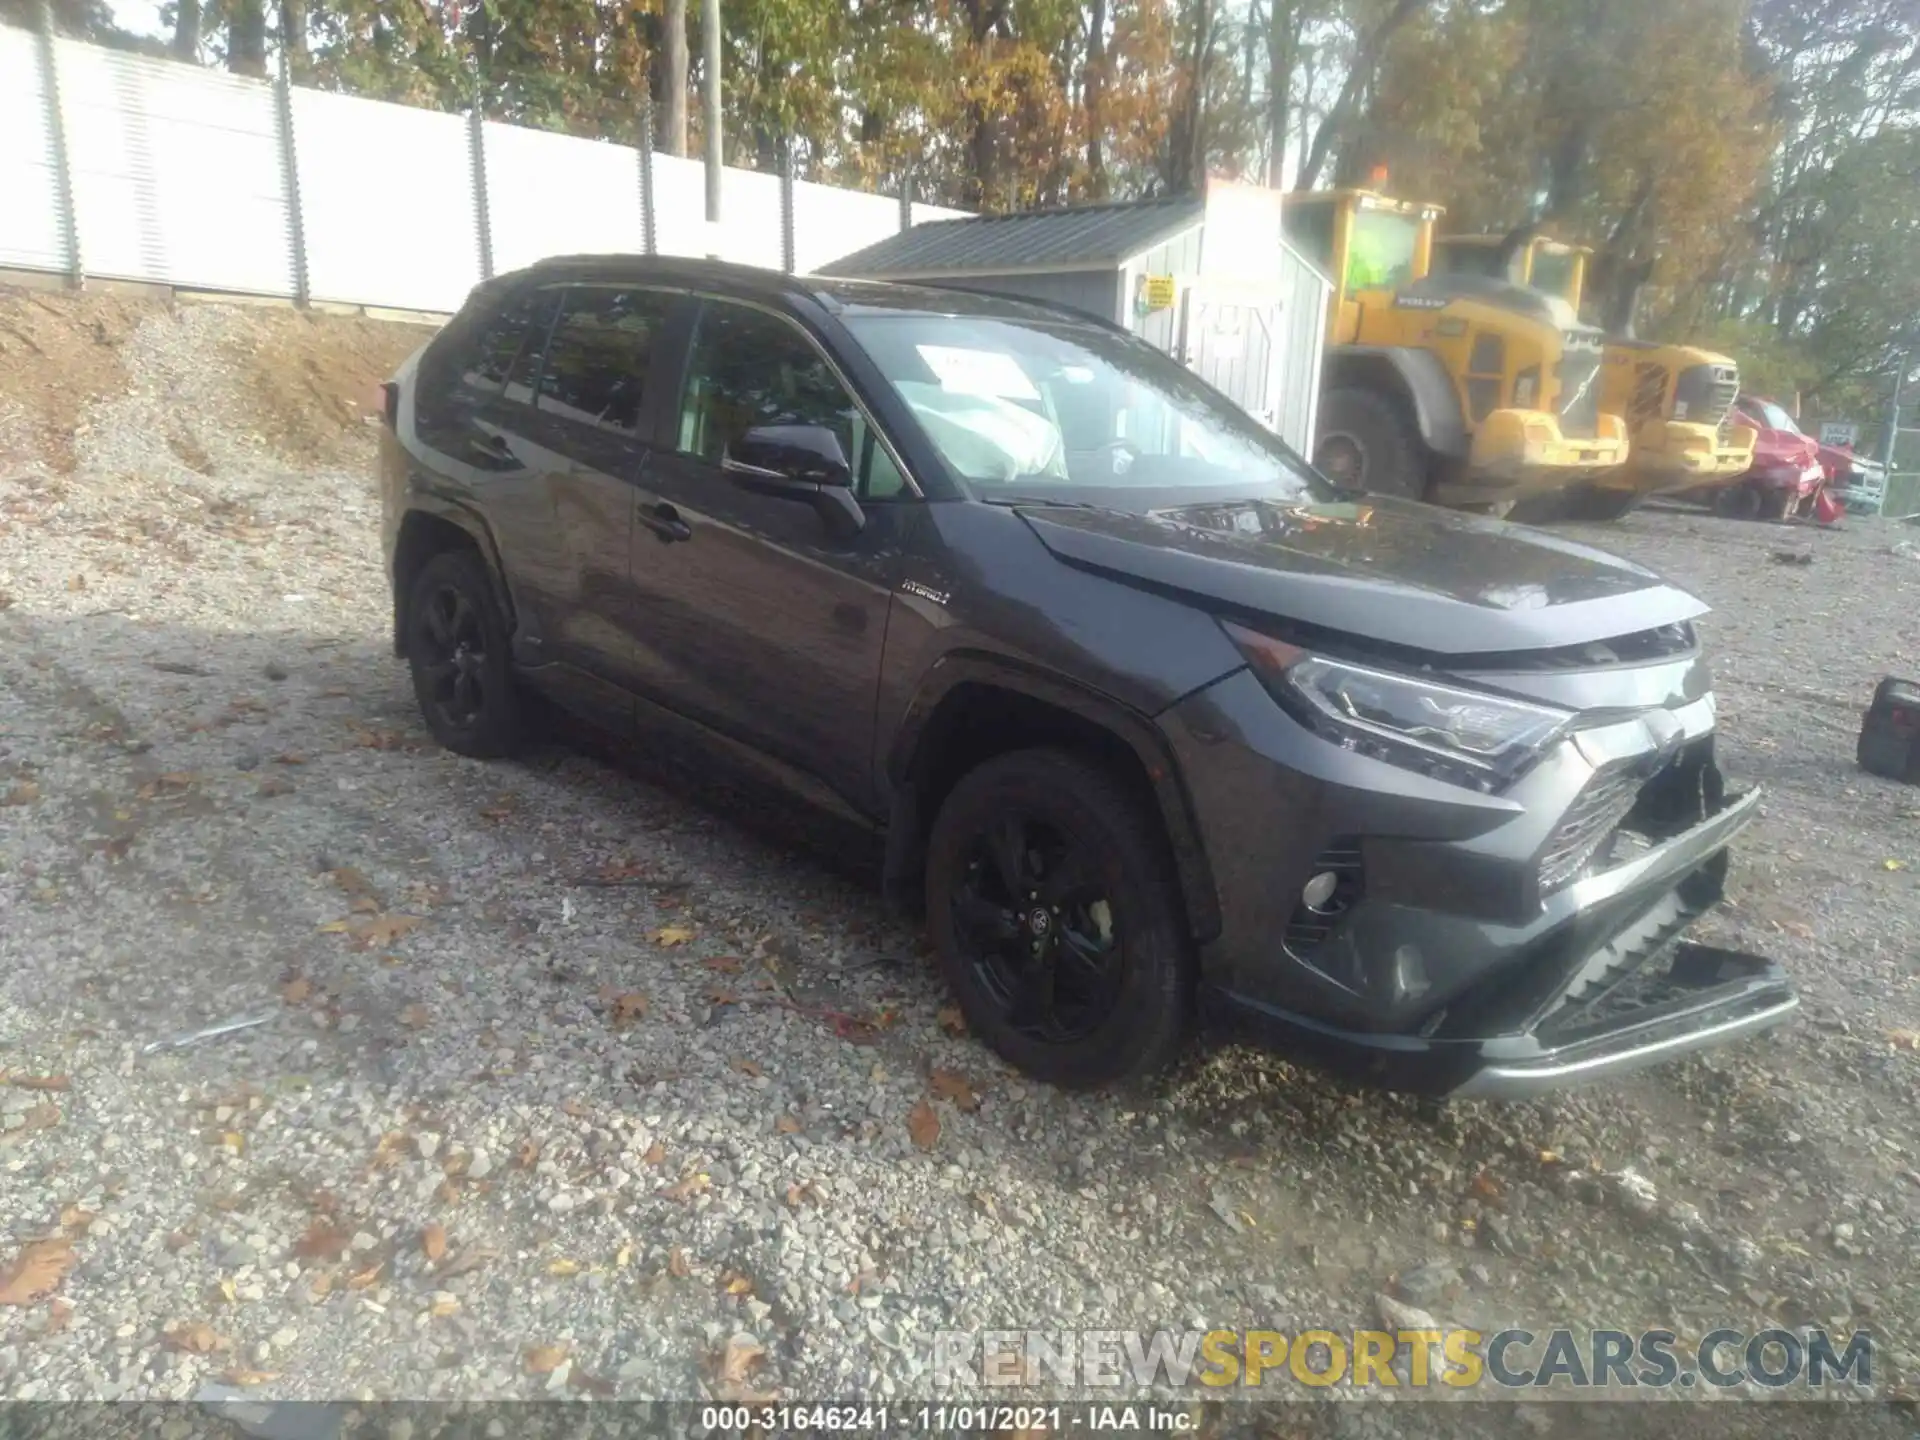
1380	254
1775	417
1028	407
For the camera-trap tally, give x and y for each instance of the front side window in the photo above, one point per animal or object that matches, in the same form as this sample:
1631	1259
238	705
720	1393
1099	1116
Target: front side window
1553	274
1309	225
509	347
750	368
597	360
1017	402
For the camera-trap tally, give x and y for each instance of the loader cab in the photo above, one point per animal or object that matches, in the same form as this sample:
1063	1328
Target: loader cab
1370	244
1545	265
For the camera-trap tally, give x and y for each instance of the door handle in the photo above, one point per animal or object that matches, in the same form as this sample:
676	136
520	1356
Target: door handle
665	522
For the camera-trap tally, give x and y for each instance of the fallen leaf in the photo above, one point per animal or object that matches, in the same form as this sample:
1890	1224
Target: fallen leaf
59	1315
444	1306
394	1146
368	932
656	1152
245	1379
563	1267
297	990
24	792
951	1020
628	1007
670	935
367	1278
41	1117
290	757
751	1068
1904	1039
40	1082
192	1338
724	964
73	1218
578	1379
321	1242
36	1272
686	1188
226	1291
178	1241
951	1085
322	1285
623	1257
734	1283
802	1193
575	1107
528	1155
734	1367
923	1125
719	996
433	1243
415	1017
467	1261
677	1263
1486	1187
1549	1157
496	813
545	1359
786	1125
1893	864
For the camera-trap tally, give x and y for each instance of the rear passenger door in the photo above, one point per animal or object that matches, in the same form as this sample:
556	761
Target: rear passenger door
583	436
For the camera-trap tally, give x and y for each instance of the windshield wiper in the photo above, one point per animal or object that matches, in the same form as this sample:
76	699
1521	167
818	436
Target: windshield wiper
1039	501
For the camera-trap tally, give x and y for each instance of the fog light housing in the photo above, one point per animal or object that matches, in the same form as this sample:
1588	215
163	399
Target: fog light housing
1317	893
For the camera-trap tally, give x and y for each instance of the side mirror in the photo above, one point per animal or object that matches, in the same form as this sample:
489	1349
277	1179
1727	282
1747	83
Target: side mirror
798	462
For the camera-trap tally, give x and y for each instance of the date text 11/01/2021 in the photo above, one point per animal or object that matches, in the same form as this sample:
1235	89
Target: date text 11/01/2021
785	1418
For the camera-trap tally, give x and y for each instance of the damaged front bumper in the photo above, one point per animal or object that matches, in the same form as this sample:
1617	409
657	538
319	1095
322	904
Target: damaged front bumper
1639	996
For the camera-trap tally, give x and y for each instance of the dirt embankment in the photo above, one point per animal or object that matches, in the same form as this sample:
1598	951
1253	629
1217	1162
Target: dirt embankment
303	383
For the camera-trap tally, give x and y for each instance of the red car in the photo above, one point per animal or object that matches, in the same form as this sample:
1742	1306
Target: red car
1787	471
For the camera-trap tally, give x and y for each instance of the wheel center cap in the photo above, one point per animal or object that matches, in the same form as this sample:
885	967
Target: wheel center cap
1039	922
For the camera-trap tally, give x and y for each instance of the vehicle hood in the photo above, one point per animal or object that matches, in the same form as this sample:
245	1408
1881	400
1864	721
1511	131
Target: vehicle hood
1389	571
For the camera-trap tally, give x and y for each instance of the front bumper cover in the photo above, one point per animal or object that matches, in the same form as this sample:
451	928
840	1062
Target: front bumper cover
1639	996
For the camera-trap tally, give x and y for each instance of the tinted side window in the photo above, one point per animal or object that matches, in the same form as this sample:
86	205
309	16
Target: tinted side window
749	368
597	359
509	346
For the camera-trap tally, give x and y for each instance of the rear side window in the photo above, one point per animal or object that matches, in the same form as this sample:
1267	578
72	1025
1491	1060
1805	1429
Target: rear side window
509	347
599	355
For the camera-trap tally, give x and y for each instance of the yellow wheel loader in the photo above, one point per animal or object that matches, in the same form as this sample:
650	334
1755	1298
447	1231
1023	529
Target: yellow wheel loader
1465	390
1677	399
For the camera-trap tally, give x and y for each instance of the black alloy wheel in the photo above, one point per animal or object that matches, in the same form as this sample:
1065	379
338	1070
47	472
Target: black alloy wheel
1055	910
1032	914
456	642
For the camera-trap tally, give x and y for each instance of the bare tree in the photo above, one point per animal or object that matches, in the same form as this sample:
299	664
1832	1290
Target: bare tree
247	38
1366	62
1095	83
186	30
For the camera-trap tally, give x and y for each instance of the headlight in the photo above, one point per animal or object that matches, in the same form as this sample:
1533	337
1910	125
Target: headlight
1464	737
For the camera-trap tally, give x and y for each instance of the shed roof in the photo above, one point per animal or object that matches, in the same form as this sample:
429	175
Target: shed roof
1082	237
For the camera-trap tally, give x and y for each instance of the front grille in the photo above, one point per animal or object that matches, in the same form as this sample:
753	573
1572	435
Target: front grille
1578	374
1588	824
1307	931
1704	395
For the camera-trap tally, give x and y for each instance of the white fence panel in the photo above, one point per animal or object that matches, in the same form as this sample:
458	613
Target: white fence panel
386	196
830	222
749	217
31	235
680	206
557	195
177	176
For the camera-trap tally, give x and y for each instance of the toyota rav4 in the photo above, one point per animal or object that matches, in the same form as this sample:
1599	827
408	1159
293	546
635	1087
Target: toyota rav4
1159	730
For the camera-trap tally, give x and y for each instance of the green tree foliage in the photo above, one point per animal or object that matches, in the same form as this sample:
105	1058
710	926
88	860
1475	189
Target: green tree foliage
1747	170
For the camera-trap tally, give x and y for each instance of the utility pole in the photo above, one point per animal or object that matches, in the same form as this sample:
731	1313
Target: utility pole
710	42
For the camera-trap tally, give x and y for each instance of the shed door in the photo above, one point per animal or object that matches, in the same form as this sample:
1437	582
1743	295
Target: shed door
1229	344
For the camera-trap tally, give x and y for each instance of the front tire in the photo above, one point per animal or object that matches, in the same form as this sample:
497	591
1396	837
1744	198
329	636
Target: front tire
1056	915
1367	445
457	649
1778	504
1737	502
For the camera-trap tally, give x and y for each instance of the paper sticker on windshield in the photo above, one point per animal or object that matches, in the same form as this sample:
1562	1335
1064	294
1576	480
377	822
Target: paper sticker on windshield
978	372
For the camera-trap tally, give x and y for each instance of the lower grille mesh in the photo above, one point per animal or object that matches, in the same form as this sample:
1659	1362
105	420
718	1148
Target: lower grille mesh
1594	816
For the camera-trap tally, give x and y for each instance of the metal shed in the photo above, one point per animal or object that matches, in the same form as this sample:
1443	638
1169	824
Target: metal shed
1210	280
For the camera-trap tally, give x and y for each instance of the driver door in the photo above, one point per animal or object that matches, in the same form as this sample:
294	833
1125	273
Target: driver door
753	617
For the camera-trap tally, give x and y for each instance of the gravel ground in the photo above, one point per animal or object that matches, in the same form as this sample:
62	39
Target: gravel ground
588	1079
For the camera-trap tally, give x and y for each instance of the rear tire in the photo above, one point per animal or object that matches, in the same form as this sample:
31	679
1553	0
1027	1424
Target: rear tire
1600	505
1056	915
1737	502
1366	444
1777	504
457	648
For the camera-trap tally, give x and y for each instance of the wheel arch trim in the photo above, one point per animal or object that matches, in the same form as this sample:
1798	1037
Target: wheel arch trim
1419	378
907	825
